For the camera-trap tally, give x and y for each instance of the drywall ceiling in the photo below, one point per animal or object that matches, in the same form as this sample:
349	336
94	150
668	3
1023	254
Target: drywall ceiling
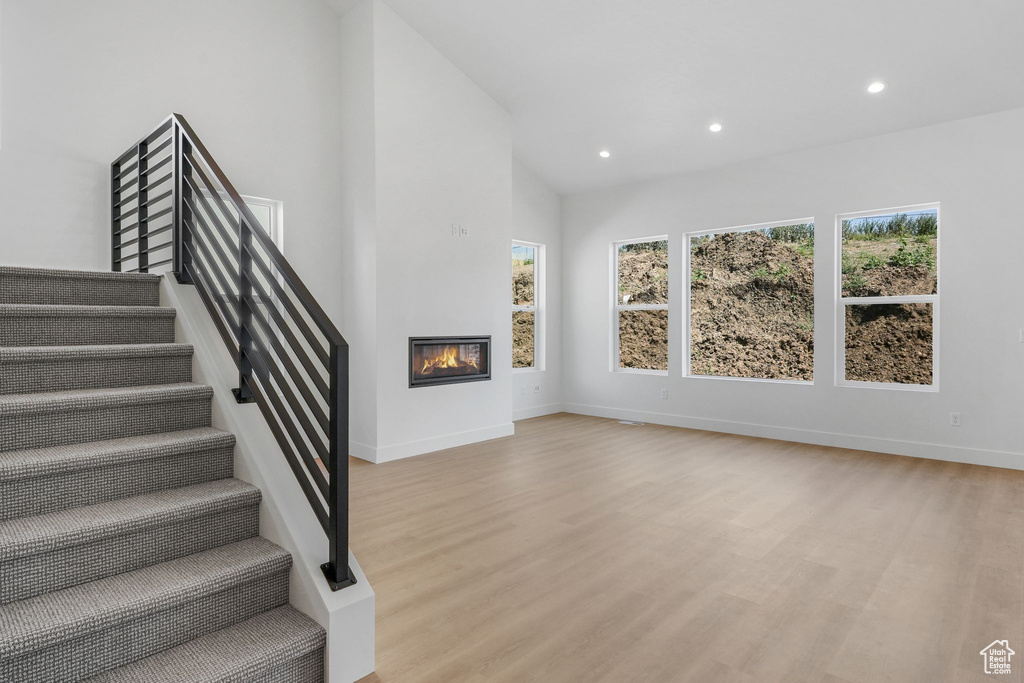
645	78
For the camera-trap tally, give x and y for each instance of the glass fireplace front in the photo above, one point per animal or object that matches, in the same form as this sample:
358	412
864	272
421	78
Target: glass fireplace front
448	360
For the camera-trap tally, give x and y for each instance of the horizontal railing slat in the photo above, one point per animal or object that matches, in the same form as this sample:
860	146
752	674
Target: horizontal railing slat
230	340
219	278
300	323
225	260
297	469
229	238
164	126
265	374
311	369
150	265
289	366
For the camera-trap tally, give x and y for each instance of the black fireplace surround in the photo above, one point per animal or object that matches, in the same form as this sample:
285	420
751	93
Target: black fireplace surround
448	360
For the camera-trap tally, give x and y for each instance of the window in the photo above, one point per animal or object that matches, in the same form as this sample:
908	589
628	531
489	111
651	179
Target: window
640	327
270	214
888	298
527	312
750	308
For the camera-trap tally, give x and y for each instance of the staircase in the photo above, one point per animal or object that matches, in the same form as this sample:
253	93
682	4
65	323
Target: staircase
128	553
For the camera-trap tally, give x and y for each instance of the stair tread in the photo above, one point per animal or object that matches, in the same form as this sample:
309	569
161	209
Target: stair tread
38	462
85	310
31	353
52	618
25	536
76	274
239	652
22	404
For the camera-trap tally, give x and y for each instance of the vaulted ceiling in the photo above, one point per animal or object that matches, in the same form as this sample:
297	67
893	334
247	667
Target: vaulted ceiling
645	78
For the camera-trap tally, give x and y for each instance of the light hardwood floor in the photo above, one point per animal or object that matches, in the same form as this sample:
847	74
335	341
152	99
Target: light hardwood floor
585	550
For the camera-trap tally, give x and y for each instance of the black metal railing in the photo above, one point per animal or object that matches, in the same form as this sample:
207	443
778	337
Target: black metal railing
292	361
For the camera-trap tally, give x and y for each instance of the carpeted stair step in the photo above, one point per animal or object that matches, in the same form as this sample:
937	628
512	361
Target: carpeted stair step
82	631
97	541
43	480
34	325
282	646
53	419
84	287
28	369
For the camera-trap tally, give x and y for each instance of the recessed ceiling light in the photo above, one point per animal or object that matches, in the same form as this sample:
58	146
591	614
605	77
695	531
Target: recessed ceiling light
604	154
876	87
715	127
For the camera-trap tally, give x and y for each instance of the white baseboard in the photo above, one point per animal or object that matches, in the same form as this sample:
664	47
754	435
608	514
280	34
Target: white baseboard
362	451
916	449
436	443
537	411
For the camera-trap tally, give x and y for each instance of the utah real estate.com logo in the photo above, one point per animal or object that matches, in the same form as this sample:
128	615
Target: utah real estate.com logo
997	657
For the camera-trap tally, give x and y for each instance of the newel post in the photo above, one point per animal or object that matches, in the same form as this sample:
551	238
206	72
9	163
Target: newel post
336	569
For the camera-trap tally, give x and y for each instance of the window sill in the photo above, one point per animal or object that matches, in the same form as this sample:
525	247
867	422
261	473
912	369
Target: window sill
521	371
763	380
917	388
640	371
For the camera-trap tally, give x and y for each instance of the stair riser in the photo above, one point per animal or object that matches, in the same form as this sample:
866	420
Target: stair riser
77	656
308	668
29	576
57	428
64	490
47	289
71	330
94	373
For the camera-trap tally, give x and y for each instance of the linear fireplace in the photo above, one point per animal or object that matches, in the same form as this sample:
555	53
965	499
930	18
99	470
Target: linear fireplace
448	360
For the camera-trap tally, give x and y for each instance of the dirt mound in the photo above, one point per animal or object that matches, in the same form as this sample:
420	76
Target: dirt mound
752	307
889	343
643	277
522	339
522	321
643	339
522	284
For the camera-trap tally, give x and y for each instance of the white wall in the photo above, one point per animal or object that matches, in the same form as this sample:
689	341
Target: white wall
441	155
84	80
973	167
537	217
357	259
444	154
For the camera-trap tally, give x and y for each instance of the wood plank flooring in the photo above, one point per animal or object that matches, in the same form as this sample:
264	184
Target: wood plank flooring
585	550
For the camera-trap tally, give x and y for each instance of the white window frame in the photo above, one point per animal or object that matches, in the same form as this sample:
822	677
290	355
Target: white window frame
538	308
617	308
842	302
276	228
688	333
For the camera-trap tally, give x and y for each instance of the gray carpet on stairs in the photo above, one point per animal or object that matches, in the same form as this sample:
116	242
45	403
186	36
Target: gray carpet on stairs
127	550
33	325
55	368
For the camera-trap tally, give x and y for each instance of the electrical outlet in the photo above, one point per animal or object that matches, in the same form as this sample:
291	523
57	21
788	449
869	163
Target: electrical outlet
522	390
536	388
664	393
463	231
1022	335
954	419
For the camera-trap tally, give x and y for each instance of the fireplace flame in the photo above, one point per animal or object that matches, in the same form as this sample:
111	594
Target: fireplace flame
448	357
